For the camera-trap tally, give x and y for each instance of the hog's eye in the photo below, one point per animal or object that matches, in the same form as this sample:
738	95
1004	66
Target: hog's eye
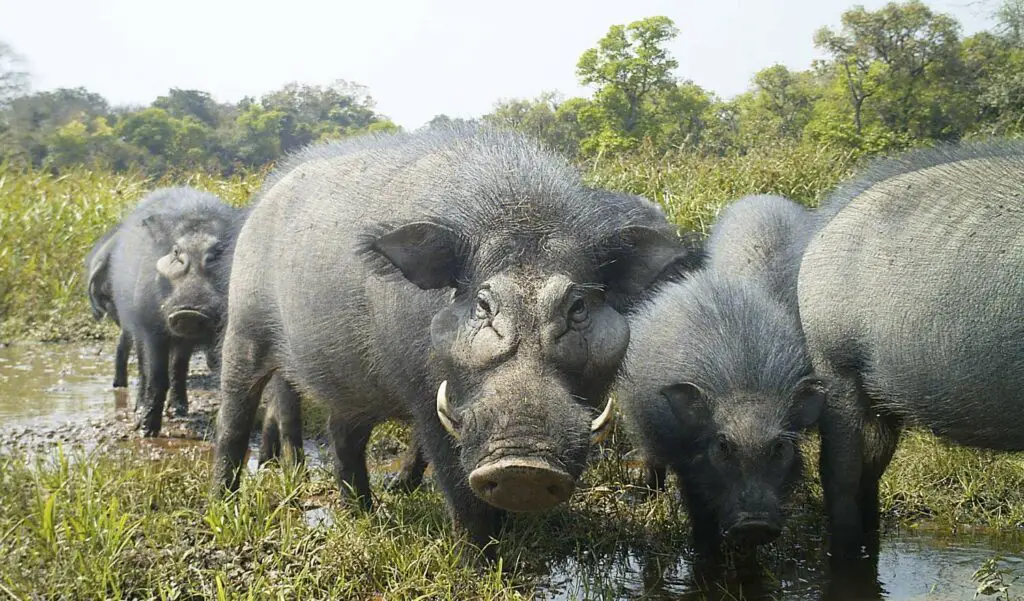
578	310
177	253
212	255
723	445
483	306
779	448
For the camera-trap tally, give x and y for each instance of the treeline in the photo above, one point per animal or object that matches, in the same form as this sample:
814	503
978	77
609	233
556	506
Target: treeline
900	76
183	131
896	77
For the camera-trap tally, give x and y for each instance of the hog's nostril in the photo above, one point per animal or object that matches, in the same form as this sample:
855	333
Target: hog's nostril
189	323
524	484
753	532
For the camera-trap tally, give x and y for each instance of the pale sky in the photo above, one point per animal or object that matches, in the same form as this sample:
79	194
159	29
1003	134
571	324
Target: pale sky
418	59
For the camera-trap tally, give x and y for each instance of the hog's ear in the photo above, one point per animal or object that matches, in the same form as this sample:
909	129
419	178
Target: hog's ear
638	256
427	254
688	403
808	401
98	275
97	281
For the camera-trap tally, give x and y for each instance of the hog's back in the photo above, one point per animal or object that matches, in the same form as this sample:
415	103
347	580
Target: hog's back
299	278
917	283
762	238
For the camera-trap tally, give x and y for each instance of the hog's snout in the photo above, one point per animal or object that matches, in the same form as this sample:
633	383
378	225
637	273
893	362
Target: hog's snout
190	323
521	484
752	529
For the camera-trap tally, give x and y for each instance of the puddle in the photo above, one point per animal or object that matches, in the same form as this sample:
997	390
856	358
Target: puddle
318	517
52	384
47	385
910	567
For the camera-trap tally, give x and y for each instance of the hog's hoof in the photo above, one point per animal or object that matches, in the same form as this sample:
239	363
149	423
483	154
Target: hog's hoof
149	424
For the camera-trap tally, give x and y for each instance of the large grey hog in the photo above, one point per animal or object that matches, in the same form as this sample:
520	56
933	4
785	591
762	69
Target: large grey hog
282	423
169	264
717	385
464	279
912	303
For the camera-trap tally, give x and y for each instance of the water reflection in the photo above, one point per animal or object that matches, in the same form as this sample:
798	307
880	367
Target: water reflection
919	566
46	384
52	384
49	384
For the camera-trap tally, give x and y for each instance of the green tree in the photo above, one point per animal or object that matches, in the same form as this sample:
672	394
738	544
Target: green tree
629	65
900	64
998	67
68	145
783	100
313	113
547	118
258	140
197	104
1010	22
678	116
93	142
29	120
383	126
443	120
152	129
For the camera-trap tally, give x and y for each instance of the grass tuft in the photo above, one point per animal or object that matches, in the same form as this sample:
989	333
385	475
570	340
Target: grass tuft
125	525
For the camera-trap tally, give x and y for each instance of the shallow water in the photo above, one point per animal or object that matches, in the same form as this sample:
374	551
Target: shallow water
44	385
49	384
909	567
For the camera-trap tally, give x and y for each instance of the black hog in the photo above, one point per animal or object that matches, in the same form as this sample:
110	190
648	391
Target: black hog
462	279
912	303
169	265
717	385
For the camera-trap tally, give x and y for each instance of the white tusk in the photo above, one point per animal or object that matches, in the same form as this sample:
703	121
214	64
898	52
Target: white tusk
444	412
599	427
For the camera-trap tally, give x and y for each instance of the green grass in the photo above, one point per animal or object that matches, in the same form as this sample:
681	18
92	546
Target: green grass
693	188
126	525
119	525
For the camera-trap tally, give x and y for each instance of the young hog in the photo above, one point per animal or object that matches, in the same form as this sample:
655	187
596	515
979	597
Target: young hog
717	385
462	279
760	239
912	303
169	265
